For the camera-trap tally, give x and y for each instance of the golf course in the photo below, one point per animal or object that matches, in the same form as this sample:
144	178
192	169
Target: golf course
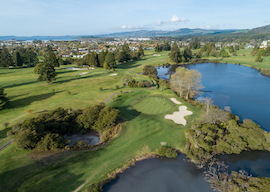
142	129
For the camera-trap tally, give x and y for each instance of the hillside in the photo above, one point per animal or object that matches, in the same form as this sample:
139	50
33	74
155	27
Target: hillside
259	30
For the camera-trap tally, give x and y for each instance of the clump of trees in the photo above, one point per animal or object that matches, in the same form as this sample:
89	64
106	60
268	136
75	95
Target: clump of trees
195	44
186	82
3	98
167	152
150	71
205	140
258	58
223	53
47	131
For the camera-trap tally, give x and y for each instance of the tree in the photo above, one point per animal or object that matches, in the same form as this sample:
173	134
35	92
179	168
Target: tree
157	48
121	57
18	59
105	66
223	53
134	55
110	60
187	54
92	59
258	58
231	49
51	58
188	81
5	58
175	54
126	79
141	51
30	57
47	72
149	70
178	80
216	116
3	99
37	68
166	46
208	103
101	58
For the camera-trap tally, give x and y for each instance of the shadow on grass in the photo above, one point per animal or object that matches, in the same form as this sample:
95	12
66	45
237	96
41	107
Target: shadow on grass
3	133
19	84
62	71
28	100
31	178
78	78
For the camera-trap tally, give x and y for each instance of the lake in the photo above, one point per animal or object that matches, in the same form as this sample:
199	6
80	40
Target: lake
242	88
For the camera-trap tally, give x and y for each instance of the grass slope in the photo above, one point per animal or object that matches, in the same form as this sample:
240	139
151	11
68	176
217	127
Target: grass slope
19	172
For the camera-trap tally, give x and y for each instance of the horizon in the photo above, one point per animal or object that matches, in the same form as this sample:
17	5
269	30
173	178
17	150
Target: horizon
62	18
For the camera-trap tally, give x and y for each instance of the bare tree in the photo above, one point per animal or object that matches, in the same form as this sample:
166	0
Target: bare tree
208	102
216	116
188	81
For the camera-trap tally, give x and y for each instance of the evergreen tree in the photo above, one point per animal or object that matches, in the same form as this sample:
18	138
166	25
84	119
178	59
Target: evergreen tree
51	58
175	54
3	99
121	57
18	59
101	58
187	54
157	48
166	46
141	51
47	73
258	58
92	59
124	54
5	58
30	57
110	60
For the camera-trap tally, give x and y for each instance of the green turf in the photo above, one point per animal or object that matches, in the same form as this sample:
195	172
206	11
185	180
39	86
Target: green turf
21	173
153	105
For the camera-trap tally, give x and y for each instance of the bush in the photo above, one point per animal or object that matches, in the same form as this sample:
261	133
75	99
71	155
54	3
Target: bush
148	84
116	86
94	188
234	54
167	152
100	88
149	70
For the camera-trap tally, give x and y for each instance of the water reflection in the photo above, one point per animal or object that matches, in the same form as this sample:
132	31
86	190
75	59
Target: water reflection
166	175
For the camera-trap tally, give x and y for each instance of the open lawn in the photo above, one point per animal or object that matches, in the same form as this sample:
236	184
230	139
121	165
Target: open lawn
20	172
247	60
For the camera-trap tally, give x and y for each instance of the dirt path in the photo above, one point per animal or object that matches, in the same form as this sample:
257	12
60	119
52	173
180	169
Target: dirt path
131	71
6	144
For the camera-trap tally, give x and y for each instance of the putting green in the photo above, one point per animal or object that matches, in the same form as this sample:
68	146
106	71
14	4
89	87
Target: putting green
153	105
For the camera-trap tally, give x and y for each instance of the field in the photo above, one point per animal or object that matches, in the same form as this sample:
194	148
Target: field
144	128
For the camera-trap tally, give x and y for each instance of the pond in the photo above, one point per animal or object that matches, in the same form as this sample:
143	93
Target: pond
166	175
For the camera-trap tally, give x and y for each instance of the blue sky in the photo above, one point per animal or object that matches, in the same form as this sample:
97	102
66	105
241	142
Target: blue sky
87	17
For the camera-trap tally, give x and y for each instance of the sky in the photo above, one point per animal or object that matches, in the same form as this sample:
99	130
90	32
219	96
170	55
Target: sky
88	17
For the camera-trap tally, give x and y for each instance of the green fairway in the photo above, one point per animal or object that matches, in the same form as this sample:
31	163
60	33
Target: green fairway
153	105
68	170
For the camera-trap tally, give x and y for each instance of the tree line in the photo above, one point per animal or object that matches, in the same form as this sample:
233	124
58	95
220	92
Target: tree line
17	57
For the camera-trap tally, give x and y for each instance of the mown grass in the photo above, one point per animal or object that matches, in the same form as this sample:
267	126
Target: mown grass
19	172
247	60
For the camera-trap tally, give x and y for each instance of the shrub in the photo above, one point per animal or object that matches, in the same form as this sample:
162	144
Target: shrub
167	152
116	86
6	124
243	54
100	88
94	188
234	54
148	84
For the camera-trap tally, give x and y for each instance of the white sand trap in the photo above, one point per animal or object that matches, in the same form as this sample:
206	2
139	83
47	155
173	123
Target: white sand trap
175	101
156	55
83	73
178	116
114	74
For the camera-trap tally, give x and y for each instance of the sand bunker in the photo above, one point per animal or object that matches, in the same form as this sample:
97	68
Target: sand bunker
83	73
114	74
175	101
156	55
178	116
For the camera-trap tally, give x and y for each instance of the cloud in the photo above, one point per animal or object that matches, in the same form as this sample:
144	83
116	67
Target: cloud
160	23
175	19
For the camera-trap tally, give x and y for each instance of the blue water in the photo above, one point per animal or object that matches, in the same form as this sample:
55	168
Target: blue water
242	88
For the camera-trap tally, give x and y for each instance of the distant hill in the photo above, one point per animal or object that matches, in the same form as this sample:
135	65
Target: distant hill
156	33
260	30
